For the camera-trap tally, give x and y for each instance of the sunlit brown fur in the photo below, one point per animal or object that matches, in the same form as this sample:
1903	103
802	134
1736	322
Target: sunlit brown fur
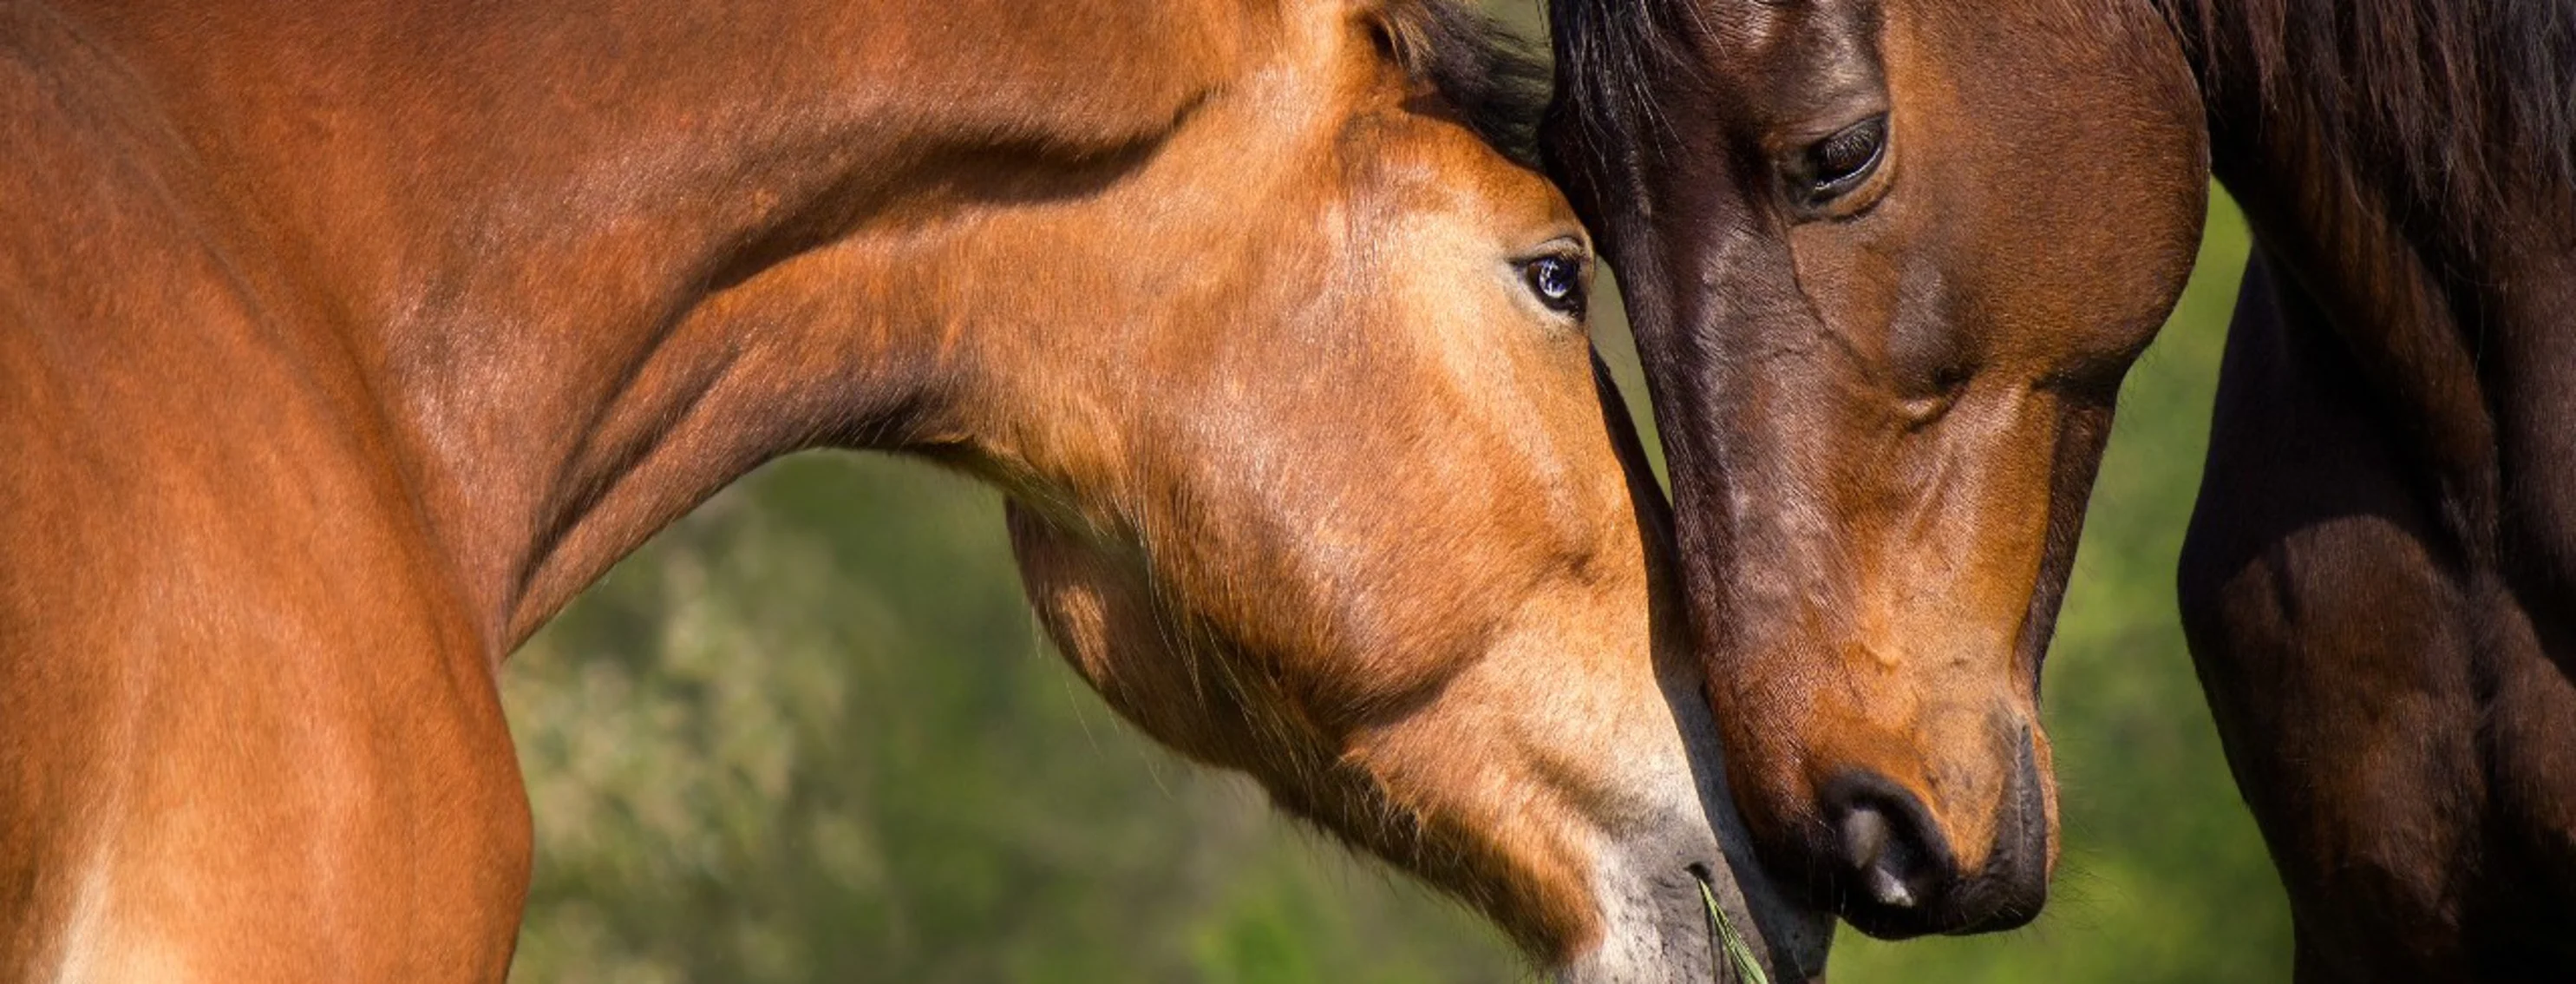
341	346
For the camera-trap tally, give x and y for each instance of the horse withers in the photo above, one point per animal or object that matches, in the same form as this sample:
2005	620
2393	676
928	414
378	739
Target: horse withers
340	347
1888	261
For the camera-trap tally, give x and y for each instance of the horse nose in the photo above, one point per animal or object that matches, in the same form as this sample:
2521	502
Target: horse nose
1891	858
1895	874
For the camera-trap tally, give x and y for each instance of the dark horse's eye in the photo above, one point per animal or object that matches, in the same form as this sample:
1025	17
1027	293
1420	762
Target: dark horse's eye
1832	167
1558	282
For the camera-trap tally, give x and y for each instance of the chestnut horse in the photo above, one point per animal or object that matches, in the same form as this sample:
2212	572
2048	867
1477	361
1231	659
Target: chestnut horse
1888	261
342	345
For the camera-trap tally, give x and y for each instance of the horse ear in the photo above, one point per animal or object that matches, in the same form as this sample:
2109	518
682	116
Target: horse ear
1488	77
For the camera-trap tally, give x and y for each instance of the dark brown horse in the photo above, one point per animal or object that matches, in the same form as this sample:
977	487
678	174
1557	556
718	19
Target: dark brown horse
340	345
1888	261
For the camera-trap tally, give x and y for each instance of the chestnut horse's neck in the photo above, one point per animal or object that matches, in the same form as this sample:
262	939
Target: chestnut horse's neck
2410	165
579	259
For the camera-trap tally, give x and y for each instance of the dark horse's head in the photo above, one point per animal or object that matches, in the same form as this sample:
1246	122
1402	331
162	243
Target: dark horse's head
1887	264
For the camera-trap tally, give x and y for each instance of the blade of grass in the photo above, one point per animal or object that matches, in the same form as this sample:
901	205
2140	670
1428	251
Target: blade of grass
1748	969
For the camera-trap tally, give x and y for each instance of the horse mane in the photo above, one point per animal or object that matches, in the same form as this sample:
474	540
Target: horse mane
2461	98
1611	57
1493	79
2458	99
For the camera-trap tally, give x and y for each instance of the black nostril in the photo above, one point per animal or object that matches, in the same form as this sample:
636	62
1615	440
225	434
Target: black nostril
1890	854
1882	862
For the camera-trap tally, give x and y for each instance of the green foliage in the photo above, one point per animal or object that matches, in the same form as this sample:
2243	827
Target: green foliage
812	733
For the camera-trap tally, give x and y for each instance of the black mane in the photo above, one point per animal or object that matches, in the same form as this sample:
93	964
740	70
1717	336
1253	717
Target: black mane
1612	58
1498	85
2454	95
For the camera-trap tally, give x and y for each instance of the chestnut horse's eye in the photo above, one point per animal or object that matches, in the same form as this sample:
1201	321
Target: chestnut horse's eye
1558	283
1832	167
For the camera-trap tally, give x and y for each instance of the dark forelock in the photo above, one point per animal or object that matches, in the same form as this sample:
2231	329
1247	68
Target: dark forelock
1497	84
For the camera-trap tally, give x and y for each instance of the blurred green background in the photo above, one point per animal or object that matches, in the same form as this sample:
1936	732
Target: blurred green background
812	734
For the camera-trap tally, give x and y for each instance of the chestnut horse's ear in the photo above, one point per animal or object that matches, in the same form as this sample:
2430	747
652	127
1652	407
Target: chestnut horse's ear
1486	77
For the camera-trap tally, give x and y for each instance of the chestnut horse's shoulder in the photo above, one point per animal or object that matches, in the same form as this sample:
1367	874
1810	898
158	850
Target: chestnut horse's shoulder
196	533
173	406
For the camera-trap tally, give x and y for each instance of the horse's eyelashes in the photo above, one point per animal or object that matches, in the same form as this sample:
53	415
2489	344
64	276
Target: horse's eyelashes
1841	161
1850	150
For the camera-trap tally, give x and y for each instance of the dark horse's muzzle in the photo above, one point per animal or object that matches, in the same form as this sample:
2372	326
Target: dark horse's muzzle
1894	875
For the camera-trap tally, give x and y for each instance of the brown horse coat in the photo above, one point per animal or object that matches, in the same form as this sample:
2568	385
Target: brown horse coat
1890	260
341	345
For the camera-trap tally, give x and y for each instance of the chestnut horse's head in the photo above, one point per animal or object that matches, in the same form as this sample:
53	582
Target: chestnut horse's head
1312	479
1887	261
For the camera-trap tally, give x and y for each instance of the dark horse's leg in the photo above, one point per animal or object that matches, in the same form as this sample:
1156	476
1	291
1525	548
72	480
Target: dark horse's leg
2378	697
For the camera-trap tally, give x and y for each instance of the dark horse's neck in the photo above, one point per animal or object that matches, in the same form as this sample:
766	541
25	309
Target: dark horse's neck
591	265
2406	166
